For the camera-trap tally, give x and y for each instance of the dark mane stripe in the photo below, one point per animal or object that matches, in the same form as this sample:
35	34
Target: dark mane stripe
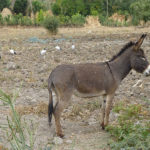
129	44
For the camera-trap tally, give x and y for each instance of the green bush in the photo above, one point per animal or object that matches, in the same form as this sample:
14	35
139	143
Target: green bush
78	20
4	4
51	23
1	20
17	20
129	133
20	6
94	12
64	20
26	21
40	18
37	6
105	21
56	9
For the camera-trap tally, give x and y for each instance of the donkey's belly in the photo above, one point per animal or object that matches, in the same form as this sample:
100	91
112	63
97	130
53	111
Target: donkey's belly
88	95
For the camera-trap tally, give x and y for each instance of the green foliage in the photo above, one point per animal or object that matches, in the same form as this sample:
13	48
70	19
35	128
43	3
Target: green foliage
20	6
4	4
129	133
105	21
1	20
68	7
40	17
17	20
94	12
140	9
26	21
56	9
19	135
78	20
72	7
51	24
64	20
37	6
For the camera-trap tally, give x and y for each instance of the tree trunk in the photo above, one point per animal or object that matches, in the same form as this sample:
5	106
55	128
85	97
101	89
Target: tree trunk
12	4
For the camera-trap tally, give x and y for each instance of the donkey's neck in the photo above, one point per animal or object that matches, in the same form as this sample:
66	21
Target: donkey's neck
121	66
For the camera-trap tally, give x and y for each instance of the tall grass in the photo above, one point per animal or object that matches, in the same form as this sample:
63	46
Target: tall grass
19	134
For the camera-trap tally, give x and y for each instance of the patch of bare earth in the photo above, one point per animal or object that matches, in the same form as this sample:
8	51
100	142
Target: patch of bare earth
28	72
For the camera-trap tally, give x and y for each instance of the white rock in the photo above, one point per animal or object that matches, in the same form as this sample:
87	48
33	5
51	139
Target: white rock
69	141
57	140
92	121
11	66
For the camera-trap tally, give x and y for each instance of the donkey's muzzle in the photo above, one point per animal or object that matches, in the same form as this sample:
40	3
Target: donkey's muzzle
147	71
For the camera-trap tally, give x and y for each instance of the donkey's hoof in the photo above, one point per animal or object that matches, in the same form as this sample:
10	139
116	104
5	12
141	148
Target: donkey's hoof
61	135
103	126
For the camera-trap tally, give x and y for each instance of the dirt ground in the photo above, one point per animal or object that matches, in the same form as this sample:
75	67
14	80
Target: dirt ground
28	71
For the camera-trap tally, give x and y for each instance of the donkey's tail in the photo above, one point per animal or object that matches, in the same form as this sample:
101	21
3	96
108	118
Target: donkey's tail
50	106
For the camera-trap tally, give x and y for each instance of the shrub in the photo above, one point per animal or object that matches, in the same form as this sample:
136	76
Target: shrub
20	6
1	20
129	133
17	20
56	9
26	21
78	20
64	20
37	6
105	21
94	12
4	4
40	18
51	24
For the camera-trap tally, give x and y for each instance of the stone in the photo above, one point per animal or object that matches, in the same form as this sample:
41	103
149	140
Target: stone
57	141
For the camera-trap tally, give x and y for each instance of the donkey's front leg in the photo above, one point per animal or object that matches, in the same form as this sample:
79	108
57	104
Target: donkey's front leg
103	113
109	100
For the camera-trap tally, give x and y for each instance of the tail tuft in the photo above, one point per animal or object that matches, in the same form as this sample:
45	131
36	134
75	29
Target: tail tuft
50	111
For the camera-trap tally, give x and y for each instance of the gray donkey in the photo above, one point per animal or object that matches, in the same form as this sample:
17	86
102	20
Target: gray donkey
94	79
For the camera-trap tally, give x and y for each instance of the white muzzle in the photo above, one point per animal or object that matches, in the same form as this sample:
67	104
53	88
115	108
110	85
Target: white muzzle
147	71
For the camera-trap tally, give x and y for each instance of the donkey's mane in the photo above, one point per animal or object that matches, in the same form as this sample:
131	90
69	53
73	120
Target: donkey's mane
129	44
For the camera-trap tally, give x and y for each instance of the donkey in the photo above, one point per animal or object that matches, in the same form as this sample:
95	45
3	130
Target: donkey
94	79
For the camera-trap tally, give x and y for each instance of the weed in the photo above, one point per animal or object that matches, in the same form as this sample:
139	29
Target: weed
18	132
129	133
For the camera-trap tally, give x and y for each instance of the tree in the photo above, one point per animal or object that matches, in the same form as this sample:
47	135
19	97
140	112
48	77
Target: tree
140	9
37	6
4	4
20	6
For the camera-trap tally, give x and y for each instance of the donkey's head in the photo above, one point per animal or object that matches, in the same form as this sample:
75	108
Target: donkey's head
138	60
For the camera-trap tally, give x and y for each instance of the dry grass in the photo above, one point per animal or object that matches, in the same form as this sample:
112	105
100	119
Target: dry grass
92	22
20	32
38	109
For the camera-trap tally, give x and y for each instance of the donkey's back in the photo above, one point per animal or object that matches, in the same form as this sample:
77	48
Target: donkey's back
87	78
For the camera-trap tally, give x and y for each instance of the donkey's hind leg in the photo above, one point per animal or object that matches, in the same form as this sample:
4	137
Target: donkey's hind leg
103	113
61	104
57	114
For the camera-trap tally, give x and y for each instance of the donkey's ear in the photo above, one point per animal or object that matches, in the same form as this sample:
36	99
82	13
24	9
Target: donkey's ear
139	42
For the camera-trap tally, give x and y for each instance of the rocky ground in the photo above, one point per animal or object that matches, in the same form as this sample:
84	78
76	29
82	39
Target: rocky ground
27	72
